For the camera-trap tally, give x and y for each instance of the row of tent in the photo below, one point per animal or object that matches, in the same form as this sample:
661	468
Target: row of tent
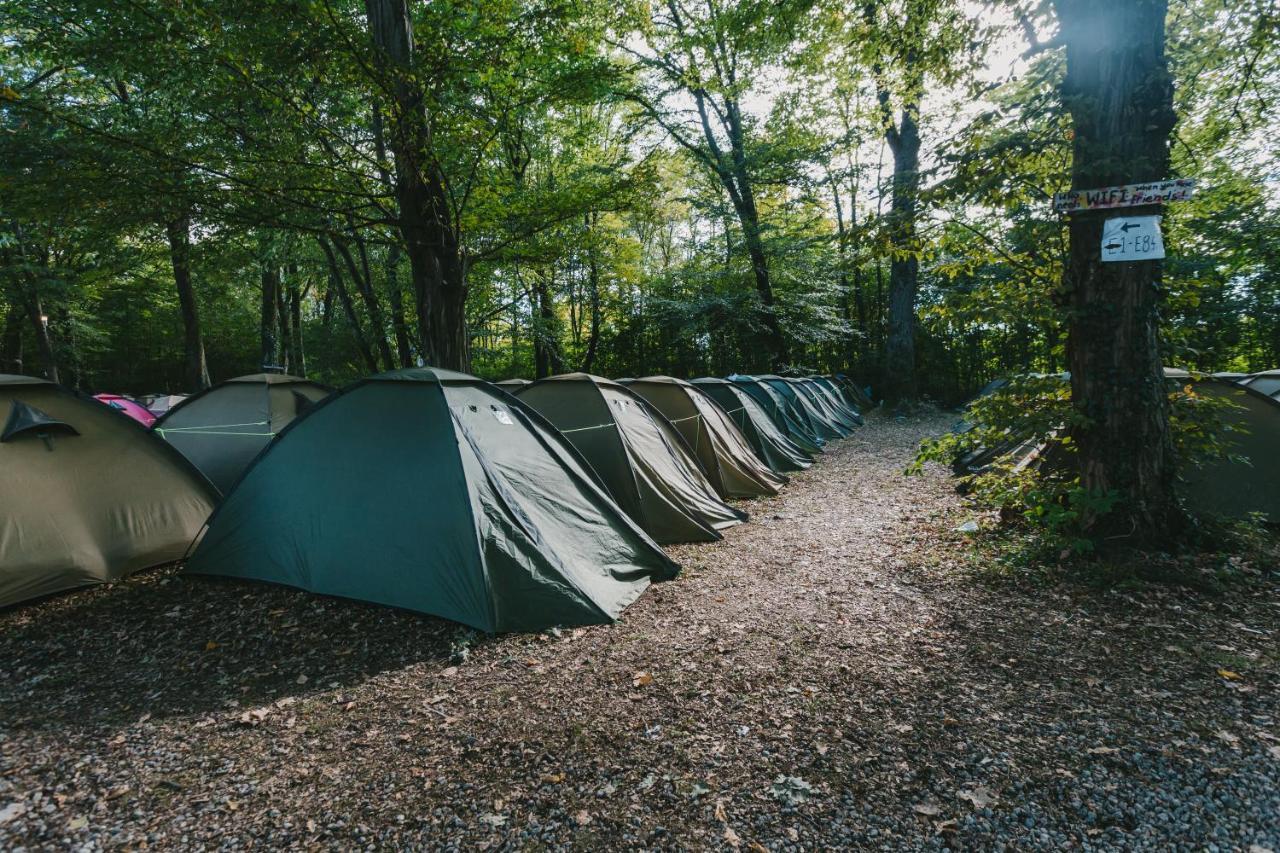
1244	482
505	507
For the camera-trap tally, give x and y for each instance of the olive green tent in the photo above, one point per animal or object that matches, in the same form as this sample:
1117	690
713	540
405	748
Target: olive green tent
812	413
435	492
779	452
853	392
648	467
223	428
830	410
836	398
512	384
1228	487
1266	383
784	414
720	447
87	494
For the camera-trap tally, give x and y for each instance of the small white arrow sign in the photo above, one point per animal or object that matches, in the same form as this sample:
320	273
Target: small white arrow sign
1132	238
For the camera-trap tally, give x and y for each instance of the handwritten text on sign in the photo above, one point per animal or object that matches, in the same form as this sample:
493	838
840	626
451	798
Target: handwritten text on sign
1132	238
1132	195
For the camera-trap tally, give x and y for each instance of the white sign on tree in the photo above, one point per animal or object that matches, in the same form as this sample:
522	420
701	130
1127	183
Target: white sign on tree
1132	238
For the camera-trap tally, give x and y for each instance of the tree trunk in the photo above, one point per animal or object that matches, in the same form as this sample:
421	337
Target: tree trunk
904	267
1120	96
547	359
437	266
11	342
344	298
196	374
593	294
297	354
394	295
270	317
360	277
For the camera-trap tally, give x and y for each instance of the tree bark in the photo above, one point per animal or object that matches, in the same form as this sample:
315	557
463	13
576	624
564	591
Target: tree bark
11	342
547	358
297	354
196	373
904	267
360	277
344	298
1120	96
593	295
270	317
436	262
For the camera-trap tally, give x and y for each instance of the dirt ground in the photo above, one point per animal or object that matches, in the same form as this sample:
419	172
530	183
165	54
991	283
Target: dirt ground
836	673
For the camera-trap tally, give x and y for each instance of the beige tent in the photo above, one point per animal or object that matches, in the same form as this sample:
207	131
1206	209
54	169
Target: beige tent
720	447
88	495
640	457
223	428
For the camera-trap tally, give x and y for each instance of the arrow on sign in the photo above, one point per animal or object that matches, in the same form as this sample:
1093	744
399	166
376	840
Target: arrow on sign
1128	225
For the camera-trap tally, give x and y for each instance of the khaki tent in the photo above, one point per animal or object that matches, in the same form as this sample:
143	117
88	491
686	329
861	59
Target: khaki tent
223	428
87	494
1238	489
784	413
780	453
720	447
642	459
435	492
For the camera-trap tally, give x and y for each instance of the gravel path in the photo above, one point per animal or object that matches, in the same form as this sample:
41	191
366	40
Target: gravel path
832	674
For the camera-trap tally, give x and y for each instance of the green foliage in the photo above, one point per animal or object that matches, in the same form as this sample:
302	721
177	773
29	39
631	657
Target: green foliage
1014	453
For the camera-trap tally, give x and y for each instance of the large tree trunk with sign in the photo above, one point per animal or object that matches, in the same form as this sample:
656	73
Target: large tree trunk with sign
1120	96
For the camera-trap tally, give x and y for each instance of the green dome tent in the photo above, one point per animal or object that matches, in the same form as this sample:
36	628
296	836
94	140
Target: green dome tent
642	459
808	412
224	427
1231	488
832	394
831	412
779	452
720	448
87	494
779	408
435	492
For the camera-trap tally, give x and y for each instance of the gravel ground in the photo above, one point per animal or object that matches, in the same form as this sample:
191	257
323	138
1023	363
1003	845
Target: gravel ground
835	673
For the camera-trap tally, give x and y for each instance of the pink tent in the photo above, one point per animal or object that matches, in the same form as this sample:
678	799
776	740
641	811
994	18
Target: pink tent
134	410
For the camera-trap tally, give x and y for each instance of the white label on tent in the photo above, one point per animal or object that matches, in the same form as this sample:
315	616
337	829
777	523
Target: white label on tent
503	417
1132	238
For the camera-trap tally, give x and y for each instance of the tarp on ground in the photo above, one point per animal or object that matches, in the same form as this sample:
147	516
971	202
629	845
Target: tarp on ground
770	443
434	491
719	446
223	428
87	495
781	411
643	460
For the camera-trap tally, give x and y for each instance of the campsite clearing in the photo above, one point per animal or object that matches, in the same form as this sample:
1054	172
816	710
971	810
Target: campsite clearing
830	674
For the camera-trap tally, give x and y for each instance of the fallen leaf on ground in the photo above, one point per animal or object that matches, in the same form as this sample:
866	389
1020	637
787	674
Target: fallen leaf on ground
1229	675
981	797
640	679
927	809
